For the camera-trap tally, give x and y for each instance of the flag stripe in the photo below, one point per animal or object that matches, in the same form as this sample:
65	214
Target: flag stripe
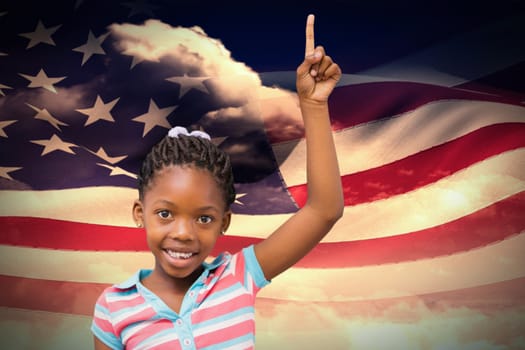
482	226
78	298
461	270
425	167
448	199
350	112
400	136
35	329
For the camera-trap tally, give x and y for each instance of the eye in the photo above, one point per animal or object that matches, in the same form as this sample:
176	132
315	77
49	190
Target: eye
204	219
164	214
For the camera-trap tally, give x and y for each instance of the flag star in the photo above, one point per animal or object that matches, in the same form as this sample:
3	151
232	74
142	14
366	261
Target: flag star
155	117
2	86
92	46
115	170
4	172
136	59
186	83
42	80
101	153
99	111
239	195
55	144
40	35
218	140
44	115
4	124
140	6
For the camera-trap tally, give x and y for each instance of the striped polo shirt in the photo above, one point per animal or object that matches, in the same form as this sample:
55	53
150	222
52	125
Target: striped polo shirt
217	312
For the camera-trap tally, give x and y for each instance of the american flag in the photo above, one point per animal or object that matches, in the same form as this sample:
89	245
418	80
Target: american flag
429	124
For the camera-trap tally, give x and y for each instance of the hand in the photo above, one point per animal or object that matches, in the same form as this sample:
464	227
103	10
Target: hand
317	75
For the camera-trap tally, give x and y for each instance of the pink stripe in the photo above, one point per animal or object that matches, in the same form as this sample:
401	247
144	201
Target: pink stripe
134	317
152	329
205	314
104	325
225	334
122	304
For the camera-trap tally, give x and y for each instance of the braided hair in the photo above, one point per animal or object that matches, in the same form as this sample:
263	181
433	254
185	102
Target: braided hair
188	150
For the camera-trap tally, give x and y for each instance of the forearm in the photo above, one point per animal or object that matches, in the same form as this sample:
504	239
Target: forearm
325	193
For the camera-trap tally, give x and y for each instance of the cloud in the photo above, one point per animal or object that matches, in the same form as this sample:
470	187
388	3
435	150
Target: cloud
371	325
243	102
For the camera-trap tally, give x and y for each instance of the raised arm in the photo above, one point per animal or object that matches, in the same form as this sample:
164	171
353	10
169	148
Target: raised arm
317	76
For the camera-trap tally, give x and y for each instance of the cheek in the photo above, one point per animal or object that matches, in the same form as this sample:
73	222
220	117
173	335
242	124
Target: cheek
155	234
209	238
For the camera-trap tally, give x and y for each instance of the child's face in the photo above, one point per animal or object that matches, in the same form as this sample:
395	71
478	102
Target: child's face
183	212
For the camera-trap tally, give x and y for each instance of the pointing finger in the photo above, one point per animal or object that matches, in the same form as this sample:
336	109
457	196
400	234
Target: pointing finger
310	44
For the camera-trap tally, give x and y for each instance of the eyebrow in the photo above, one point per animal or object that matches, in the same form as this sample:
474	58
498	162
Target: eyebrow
203	208
209	207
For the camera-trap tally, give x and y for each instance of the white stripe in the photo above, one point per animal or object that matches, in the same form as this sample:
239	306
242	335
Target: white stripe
223	324
498	262
213	301
131	311
134	329
116	297
101	315
82	266
244	345
453	197
371	145
157	341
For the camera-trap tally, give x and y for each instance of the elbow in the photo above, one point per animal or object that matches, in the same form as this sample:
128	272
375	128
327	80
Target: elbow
333	213
338	208
337	213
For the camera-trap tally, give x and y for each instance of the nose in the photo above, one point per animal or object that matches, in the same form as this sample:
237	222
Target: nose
182	229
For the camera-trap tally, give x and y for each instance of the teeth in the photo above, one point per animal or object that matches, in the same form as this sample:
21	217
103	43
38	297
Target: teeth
179	255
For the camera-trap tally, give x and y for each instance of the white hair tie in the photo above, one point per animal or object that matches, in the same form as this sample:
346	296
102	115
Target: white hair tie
180	130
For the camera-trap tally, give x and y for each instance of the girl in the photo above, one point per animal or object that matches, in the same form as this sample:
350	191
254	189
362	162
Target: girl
185	193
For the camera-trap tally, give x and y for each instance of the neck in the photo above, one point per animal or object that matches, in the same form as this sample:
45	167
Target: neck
159	281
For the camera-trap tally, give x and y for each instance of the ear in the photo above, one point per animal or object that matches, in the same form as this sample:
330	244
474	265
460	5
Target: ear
138	213
226	219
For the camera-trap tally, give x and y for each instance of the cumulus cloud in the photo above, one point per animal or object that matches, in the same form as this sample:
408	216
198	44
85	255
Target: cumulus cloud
244	103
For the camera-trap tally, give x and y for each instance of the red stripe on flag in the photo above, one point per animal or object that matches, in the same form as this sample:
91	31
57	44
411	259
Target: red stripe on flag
425	167
357	104
54	296
352	105
472	231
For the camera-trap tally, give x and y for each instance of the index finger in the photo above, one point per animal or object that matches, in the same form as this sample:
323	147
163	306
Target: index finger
310	45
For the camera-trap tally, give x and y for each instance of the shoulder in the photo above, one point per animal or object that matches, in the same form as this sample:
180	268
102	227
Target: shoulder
242	266
120	292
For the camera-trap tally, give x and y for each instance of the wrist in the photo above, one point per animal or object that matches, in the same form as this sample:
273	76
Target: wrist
312	105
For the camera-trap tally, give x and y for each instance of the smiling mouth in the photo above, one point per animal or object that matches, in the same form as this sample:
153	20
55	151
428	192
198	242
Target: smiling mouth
179	255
